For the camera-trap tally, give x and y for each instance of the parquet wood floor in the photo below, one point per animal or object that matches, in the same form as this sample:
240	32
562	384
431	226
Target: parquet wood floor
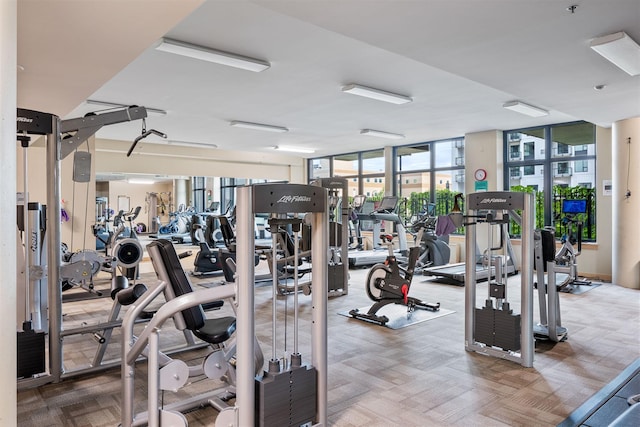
416	376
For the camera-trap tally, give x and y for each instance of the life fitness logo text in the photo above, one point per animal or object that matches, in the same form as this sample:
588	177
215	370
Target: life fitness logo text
483	201
294	199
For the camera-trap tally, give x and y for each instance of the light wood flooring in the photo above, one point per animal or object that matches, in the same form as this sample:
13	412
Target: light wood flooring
416	376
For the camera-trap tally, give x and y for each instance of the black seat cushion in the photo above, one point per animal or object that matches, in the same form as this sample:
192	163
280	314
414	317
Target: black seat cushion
213	331
216	331
194	316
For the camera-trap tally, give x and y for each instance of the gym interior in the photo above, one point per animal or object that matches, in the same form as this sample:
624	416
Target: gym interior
271	213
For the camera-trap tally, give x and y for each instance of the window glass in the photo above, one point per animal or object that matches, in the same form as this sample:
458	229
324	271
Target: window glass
573	139
514	152
449	153
413	188
373	162
319	168
567	171
373	188
448	184
354	187
526	144
413	158
587	218
345	165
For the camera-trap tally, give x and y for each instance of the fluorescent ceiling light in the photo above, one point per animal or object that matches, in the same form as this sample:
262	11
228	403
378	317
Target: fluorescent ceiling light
621	50
381	134
294	149
183	143
378	94
258	126
117	105
141	181
191	144
526	109
211	55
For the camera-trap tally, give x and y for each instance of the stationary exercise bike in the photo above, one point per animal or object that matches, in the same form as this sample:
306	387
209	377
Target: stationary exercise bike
389	283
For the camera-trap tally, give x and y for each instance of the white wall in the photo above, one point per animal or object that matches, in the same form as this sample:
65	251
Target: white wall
625	254
157	159
596	257
482	150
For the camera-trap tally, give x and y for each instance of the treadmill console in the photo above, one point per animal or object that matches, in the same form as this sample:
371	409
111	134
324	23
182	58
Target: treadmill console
388	204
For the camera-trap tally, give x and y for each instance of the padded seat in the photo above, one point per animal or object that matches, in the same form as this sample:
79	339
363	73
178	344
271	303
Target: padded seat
216	331
213	331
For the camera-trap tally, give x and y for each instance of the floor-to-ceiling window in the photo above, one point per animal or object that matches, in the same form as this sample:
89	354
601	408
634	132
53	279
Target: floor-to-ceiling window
431	172
557	162
364	171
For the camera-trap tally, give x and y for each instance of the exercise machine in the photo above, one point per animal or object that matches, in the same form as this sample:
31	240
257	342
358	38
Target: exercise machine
386	211
566	258
338	233
434	250
207	260
186	308
494	329
456	273
31	289
285	394
76	131
388	283
221	255
288	264
297	402
355	232
548	299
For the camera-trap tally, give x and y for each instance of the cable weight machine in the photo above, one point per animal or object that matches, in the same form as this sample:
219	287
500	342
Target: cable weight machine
76	131
306	401
495	330
338	233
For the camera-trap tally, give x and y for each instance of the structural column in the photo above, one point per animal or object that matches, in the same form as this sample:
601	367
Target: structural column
180	193
8	144
625	233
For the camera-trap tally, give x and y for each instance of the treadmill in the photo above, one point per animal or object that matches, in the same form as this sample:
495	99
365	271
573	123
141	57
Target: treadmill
384	212
454	273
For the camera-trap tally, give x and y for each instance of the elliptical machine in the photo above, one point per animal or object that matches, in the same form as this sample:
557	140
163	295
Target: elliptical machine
434	251
566	257
389	283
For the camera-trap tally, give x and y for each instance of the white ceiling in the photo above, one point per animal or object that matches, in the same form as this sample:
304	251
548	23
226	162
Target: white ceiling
460	60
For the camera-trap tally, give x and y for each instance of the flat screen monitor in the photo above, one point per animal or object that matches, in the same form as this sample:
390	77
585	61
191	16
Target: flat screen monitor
388	204
574	206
